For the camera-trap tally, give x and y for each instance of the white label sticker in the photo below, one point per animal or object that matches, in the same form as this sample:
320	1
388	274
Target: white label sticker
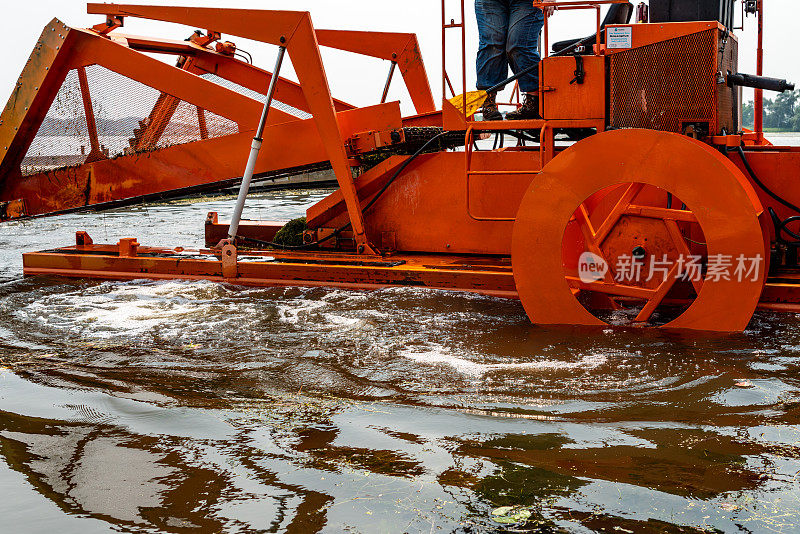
619	37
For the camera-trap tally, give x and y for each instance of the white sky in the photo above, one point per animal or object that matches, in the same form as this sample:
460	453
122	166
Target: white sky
360	80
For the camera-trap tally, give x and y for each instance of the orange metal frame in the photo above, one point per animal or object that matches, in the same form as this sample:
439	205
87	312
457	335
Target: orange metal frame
176	168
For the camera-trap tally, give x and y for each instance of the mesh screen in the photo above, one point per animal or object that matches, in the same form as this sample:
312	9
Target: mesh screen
233	86
130	117
661	85
62	133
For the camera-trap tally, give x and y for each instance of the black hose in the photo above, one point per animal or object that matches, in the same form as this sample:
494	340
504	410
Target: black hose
289	247
761	184
245	54
780	226
397	173
405	164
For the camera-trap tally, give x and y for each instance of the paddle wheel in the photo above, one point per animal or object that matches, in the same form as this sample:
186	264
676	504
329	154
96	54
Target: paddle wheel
671	226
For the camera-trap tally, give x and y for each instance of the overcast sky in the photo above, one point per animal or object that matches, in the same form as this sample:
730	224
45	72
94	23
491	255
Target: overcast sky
360	80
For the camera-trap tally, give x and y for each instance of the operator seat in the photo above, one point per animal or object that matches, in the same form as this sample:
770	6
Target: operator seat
617	14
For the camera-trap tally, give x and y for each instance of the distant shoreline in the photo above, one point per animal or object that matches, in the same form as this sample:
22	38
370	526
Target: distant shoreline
775	130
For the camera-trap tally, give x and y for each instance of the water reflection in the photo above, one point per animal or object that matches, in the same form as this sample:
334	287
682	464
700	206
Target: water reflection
178	406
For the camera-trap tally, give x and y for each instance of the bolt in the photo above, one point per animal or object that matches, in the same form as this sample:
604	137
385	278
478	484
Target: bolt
639	253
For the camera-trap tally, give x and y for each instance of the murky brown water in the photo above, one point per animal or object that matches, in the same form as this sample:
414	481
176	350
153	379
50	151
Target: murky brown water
191	406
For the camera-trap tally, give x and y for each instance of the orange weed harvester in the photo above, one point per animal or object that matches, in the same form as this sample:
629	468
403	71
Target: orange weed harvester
638	194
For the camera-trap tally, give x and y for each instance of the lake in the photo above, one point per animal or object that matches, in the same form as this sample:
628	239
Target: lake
192	406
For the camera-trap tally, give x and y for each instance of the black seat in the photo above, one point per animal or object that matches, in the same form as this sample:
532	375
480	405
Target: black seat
617	14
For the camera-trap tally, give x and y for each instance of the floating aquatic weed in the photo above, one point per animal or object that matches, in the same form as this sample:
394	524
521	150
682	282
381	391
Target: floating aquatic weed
511	514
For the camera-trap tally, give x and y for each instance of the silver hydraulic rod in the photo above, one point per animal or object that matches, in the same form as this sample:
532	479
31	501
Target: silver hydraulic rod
388	82
255	147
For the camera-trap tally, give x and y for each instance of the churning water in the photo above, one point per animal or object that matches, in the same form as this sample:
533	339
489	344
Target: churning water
192	406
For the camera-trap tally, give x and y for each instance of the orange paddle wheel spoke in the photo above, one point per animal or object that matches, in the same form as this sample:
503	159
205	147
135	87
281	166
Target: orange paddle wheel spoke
594	240
658	295
683	249
619	209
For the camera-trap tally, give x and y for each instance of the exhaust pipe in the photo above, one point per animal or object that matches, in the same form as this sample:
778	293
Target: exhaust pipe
759	82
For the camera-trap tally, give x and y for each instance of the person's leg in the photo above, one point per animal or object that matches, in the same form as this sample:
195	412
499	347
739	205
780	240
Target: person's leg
522	47
492	63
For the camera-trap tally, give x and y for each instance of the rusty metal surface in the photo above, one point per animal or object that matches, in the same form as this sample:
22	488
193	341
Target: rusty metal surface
216	230
84	91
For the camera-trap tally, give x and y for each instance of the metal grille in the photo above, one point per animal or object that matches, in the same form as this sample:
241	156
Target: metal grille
130	117
663	85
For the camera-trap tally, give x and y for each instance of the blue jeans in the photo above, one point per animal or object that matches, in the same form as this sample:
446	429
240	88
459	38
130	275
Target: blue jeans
509	35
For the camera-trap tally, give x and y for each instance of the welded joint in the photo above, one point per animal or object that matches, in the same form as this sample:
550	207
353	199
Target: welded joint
203	40
112	23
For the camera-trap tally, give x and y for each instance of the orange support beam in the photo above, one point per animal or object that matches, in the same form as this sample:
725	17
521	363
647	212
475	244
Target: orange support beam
35	89
282	28
93	49
401	48
232	69
95	154
256	79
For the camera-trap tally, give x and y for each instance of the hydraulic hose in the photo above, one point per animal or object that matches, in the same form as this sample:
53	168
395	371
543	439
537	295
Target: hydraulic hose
761	184
780	226
372	202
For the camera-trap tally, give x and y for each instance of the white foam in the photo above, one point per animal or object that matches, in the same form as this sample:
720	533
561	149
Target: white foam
113	309
439	355
338	320
296	311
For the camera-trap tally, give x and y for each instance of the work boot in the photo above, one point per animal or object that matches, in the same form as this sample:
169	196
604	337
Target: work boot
528	111
489	109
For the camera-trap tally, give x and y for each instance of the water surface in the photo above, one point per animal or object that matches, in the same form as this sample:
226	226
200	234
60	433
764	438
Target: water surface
185	406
